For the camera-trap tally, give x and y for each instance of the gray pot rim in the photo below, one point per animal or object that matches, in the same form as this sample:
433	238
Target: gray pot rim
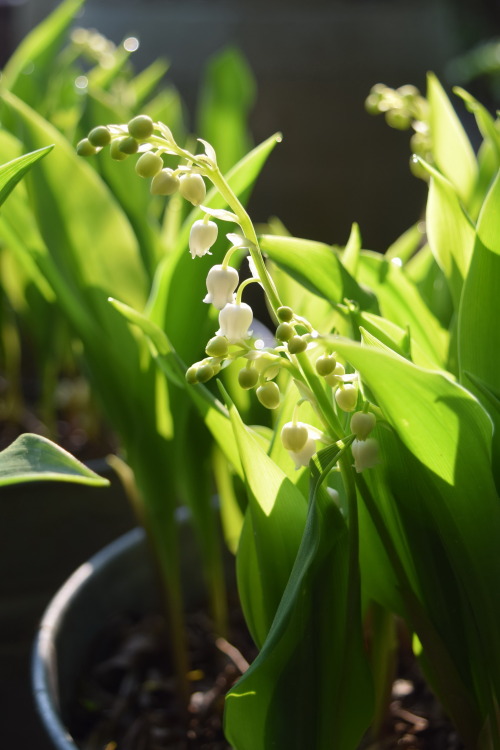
44	660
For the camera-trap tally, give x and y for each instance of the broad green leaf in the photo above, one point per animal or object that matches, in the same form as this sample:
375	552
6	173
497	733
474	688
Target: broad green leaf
310	685
227	94
32	458
401	303
317	267
86	232
449	231
13	171
350	254
449	433
27	73
452	151
272	531
395	338
406	245
485	121
478	329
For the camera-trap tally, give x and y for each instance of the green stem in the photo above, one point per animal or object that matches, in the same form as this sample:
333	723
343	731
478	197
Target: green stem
249	231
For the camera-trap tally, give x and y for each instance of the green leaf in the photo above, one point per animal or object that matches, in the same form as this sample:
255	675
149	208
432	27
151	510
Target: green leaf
453	153
401	303
13	171
450	232
33	458
350	255
27	73
478	330
407	244
317	267
272	531
310	685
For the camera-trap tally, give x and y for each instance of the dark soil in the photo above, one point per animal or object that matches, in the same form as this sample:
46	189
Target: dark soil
128	698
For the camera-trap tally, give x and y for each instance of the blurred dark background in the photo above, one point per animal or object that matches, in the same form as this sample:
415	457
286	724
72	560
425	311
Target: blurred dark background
314	64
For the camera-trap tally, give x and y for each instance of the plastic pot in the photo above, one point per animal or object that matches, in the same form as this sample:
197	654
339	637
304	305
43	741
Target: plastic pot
119	578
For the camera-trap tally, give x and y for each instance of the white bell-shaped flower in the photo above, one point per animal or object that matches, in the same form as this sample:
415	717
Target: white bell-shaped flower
201	238
303	456
221	283
235	320
362	423
365	454
294	436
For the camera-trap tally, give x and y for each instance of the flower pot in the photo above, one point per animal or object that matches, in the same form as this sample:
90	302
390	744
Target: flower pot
120	578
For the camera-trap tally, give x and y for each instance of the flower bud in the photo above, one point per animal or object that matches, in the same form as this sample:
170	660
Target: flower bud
301	458
141	127
297	344
335	378
221	283
346	397
285	314
100	136
362	423
115	152
192	188
165	182
284	332
234	321
217	347
269	395
365	454
325	364
191	374
201	238
149	164
85	148
294	436
248	378
204	373
127	145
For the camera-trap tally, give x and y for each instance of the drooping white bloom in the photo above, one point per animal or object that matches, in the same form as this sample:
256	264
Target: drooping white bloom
221	283
301	458
192	188
294	436
201	238
365	454
234	321
346	397
362	424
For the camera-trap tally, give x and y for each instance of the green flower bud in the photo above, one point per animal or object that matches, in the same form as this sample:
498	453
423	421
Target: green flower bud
336	376
397	119
191	374
85	148
204	373
269	395
284	332
248	378
141	127
362	423
149	164
128	145
192	188
100	136
285	314
294	436
116	153
164	183
325	364
346	397
217	347
297	344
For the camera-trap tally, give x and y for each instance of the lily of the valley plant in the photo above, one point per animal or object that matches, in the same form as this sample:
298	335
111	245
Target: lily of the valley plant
372	490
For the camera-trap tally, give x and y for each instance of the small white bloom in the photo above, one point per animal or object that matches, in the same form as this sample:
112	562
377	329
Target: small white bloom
221	283
201	238
346	397
365	454
234	321
301	458
192	188
362	424
294	436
